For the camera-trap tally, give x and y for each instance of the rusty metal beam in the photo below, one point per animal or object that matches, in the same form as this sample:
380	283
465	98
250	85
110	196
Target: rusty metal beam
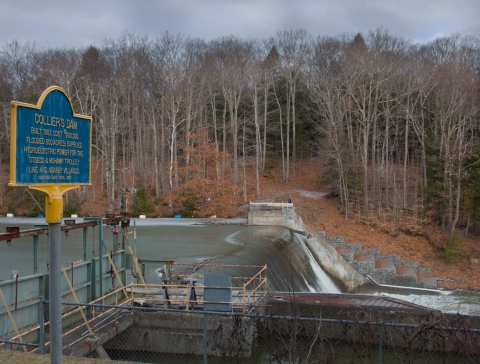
23	234
43	231
80	225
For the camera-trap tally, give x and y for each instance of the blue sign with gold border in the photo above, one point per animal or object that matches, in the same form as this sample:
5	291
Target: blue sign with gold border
50	144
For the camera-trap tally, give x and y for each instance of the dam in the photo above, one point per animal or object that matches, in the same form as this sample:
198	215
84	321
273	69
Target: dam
118	303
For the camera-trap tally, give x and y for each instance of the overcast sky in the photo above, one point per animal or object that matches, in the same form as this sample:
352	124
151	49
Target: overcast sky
80	23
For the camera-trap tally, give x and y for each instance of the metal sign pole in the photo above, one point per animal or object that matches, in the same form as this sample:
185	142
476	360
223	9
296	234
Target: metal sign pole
55	294
53	216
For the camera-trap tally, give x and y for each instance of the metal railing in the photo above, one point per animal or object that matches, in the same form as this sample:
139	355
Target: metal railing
183	294
251	288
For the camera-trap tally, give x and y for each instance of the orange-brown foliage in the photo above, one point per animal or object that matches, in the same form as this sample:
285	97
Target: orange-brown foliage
206	188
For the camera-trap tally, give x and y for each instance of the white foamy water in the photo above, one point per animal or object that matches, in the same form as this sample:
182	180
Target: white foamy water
323	280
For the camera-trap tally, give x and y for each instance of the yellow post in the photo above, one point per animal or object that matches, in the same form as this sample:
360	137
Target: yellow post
54	208
54	201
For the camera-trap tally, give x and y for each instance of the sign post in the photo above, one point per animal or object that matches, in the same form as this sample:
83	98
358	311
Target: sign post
50	151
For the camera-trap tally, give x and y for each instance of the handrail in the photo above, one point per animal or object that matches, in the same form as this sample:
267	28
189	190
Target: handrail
255	290
135	260
185	291
259	282
72	312
79	309
72	291
220	265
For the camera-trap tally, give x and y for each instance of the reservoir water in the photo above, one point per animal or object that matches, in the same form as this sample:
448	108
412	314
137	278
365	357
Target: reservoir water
291	266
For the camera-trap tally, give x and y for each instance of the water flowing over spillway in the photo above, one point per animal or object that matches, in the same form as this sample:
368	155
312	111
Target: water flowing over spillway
291	266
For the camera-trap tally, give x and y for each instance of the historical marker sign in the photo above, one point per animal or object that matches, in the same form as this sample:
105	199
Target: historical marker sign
50	151
50	144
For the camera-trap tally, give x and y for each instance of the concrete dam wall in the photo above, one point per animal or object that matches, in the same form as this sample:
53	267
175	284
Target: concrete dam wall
283	214
338	257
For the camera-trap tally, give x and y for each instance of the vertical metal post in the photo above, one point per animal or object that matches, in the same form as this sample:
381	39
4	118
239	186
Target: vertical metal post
16	292
123	209
135	236
124	265
93	320
35	254
55	294
100	256
93	279
168	270
380	344
124	234
41	323
135	251
205	338
85	244
48	254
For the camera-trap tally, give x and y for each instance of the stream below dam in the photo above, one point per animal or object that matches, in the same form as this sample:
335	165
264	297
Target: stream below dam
291	266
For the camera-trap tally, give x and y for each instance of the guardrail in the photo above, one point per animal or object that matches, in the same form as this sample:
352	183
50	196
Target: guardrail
182	289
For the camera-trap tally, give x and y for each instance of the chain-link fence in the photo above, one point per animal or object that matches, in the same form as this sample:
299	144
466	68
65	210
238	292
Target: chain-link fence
144	334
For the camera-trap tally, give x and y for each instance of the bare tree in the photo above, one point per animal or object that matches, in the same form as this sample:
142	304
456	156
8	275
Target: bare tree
293	47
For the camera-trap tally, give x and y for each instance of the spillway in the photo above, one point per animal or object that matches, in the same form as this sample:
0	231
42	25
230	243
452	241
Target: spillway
291	266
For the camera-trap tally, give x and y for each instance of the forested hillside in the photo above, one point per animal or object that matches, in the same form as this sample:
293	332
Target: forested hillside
181	120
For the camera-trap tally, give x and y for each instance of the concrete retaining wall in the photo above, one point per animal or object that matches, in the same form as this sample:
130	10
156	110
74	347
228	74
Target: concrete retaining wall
180	333
383	270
